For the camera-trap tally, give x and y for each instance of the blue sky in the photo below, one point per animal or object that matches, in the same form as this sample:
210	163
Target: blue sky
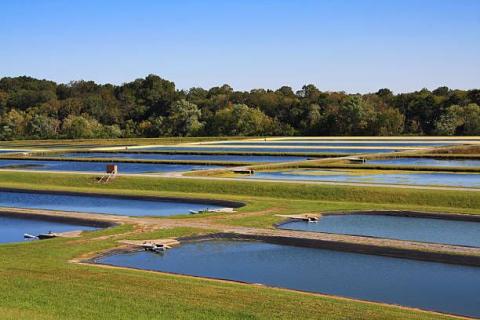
350	45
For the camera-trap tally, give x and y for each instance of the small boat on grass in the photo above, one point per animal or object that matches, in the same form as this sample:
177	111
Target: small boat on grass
155	247
222	210
199	211
48	235
312	219
41	236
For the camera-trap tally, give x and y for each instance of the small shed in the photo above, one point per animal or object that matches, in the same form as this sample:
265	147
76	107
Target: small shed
112	168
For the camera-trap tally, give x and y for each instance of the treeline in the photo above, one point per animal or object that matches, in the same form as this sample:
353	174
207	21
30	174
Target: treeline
153	107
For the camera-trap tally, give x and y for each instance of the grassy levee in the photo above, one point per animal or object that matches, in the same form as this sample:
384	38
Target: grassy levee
38	282
226	188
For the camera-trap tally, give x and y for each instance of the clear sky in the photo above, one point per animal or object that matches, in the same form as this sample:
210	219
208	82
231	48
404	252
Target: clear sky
350	45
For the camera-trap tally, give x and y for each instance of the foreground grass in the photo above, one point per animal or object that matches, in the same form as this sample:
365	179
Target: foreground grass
38	282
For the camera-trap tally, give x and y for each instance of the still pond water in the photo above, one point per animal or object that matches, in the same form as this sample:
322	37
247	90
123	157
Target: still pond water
12	229
465	233
274	149
174	157
434	178
80	166
335	143
427	285
99	204
427	162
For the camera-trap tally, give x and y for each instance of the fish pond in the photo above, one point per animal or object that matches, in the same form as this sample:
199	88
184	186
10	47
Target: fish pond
318	150
101	204
465	233
84	166
429	162
426	285
471	180
12	229
440	140
334	143
176	157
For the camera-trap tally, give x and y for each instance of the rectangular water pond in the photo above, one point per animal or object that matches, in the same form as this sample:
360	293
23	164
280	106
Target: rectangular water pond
426	285
219	148
440	140
334	143
12	229
81	166
174	157
100	204
464	233
471	180
430	162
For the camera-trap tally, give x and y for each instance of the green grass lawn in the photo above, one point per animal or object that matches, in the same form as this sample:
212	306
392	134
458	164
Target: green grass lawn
37	281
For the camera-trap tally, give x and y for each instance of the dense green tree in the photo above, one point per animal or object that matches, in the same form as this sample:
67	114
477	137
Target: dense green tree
353	117
152	107
13	125
448	123
241	120
183	119
75	127
388	122
460	120
42	127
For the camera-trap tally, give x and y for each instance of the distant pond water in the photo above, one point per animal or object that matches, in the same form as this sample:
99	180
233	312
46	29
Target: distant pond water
414	178
427	162
465	233
123	167
174	157
272	149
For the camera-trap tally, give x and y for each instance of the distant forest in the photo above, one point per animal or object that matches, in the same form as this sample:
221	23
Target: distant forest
153	107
